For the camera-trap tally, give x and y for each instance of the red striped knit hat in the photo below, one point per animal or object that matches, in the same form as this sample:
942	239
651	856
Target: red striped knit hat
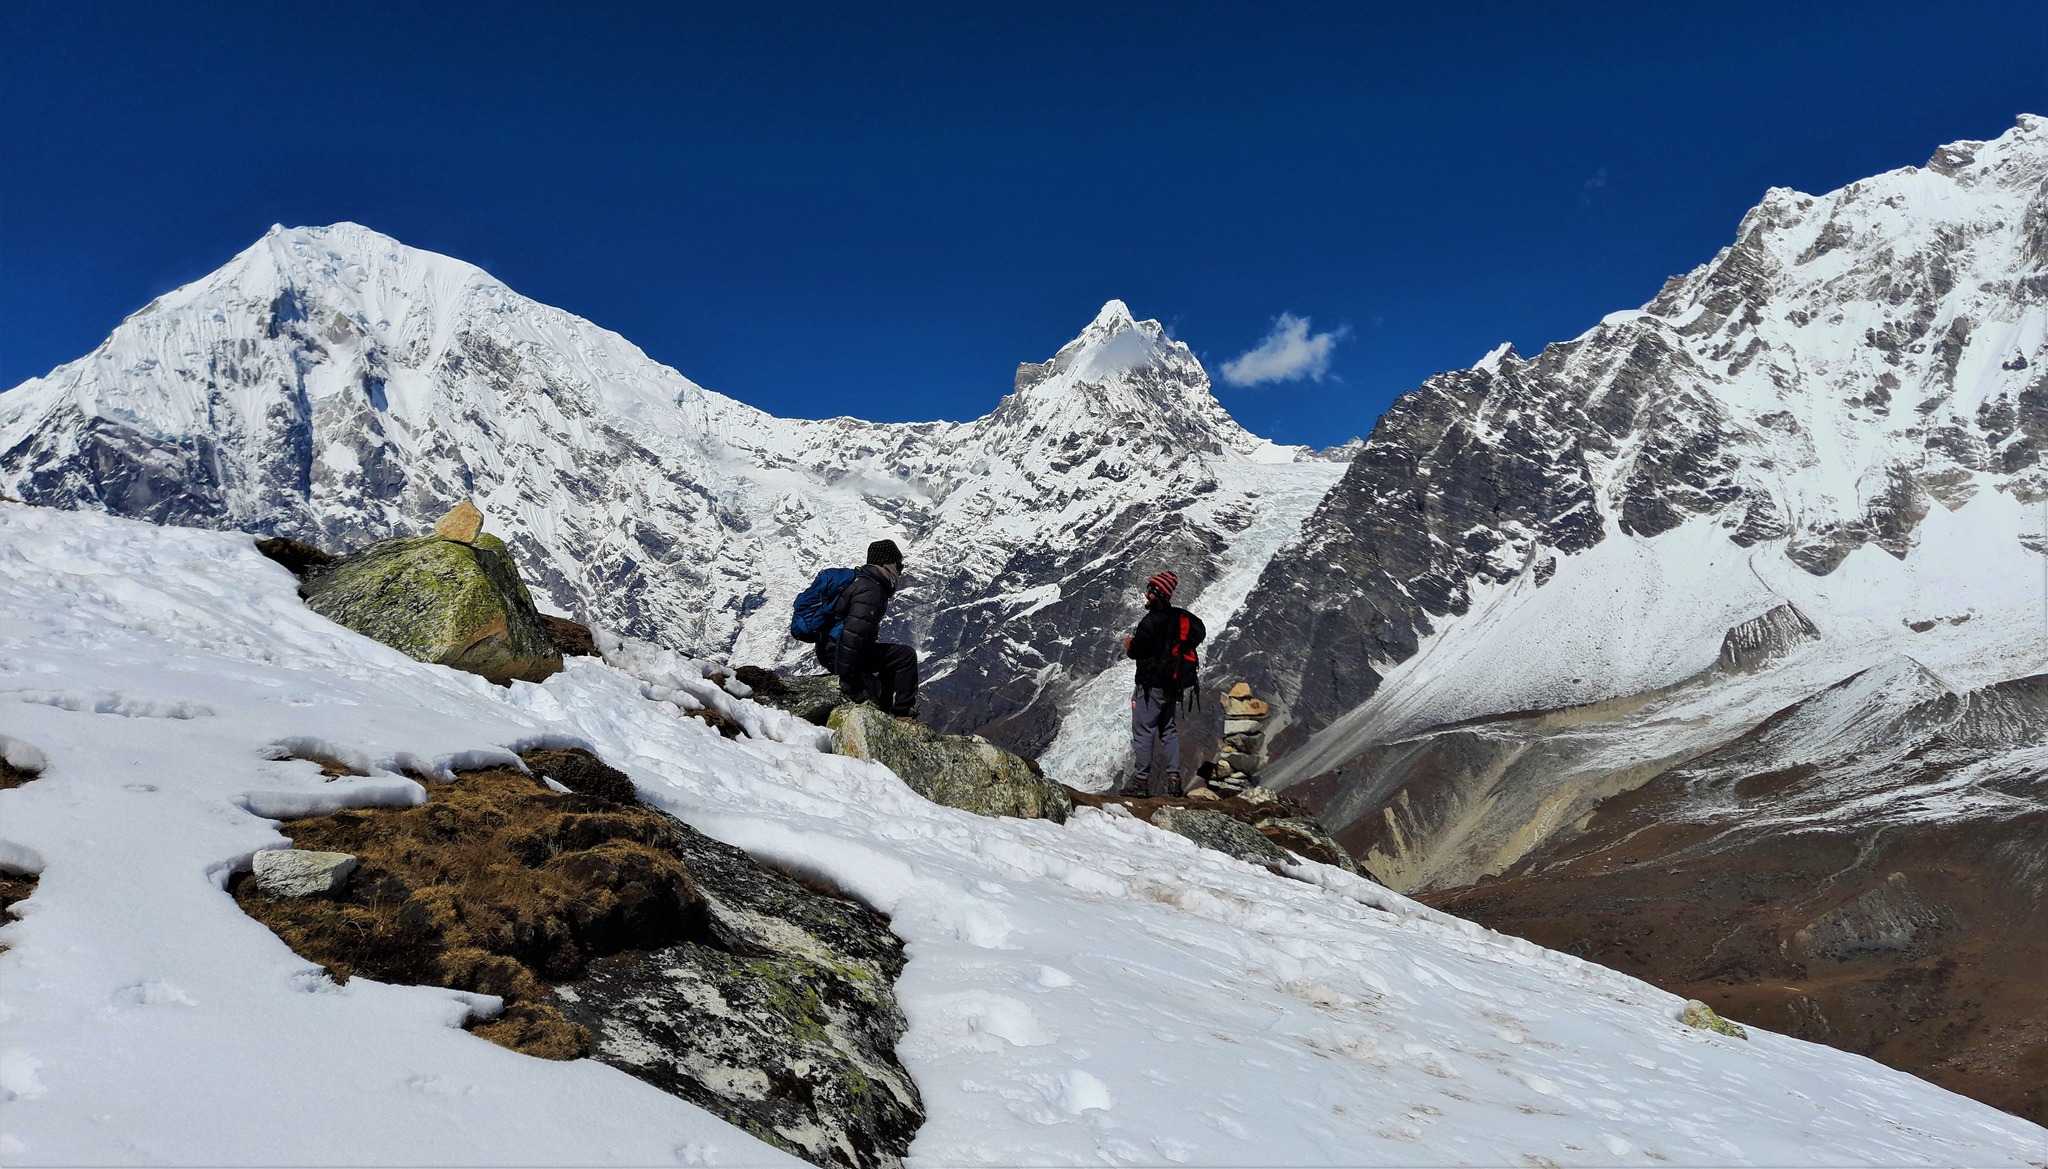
1165	582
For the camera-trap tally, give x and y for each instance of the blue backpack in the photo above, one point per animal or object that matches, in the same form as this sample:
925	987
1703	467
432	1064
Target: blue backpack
812	617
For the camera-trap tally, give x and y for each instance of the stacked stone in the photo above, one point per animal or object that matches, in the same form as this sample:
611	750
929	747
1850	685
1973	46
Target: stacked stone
1244	741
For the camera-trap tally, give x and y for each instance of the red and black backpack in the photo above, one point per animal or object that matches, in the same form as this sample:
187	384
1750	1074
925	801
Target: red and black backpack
1176	670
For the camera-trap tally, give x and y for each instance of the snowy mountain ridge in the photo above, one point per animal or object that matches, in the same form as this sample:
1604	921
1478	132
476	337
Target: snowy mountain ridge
1854	364
333	384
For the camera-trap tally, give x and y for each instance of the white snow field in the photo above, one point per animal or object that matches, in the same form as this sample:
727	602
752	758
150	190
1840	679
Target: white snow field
1099	992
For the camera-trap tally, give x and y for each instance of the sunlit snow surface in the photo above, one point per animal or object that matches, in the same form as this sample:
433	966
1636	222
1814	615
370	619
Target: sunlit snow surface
1098	992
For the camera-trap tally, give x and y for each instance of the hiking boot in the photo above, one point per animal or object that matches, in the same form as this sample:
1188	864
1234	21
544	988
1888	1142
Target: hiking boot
1173	787
1137	791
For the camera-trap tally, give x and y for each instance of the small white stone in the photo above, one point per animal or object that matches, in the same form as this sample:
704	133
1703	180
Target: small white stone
292	872
1242	726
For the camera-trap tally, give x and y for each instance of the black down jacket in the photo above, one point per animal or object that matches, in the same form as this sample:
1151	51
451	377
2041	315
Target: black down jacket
860	609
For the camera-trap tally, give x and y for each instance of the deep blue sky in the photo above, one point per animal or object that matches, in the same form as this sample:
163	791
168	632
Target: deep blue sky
881	209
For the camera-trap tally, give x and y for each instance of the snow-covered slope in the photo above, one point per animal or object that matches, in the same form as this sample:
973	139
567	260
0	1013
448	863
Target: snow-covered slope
1858	373
336	385
1088	993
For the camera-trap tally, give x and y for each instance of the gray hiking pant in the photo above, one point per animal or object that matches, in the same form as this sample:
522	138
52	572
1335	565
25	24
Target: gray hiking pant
1152	723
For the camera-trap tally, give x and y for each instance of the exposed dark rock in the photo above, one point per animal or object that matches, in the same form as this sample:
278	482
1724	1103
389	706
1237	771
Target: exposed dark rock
784	1023
571	639
1307	836
299	557
810	697
1765	638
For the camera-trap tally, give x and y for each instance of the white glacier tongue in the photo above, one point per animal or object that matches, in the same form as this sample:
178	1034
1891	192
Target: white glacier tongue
1099	992
333	384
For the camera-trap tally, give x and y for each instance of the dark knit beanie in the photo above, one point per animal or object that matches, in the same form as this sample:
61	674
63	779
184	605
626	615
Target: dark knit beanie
884	552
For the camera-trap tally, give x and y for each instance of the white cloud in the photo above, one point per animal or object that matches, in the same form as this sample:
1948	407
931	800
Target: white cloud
1289	353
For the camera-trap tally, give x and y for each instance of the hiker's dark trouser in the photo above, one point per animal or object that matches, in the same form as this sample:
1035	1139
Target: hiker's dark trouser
887	673
1152	723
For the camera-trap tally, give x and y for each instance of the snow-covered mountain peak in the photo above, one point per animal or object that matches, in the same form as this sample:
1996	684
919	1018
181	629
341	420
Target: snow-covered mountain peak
1125	379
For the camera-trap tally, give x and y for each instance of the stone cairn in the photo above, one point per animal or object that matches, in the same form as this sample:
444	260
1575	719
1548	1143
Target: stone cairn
1244	742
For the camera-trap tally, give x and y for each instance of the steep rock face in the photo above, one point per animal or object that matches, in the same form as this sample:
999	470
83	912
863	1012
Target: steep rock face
1851	363
335	385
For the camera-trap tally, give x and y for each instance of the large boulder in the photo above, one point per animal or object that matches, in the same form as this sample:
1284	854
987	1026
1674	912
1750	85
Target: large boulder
1224	833
783	1021
442	601
960	771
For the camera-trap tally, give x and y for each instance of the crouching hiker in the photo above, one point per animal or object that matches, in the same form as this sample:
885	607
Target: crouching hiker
882	672
1164	646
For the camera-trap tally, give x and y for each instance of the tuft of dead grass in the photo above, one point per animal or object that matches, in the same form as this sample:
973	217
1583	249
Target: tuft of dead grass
12	776
495	885
13	888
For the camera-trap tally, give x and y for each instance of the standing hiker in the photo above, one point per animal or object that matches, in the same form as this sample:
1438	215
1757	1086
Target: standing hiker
882	672
1164	646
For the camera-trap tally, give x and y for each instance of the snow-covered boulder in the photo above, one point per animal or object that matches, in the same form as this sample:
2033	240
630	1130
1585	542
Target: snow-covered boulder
442	601
960	771
294	872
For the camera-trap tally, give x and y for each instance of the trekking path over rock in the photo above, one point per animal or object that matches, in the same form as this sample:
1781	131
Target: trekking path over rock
1099	991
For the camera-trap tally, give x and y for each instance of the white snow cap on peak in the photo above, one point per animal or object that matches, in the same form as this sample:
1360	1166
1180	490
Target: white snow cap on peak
1115	315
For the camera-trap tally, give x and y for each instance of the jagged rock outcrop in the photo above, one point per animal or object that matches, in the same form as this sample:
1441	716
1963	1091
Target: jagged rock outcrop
960	771
438	600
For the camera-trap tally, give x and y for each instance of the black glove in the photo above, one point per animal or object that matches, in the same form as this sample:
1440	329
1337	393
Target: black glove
851	689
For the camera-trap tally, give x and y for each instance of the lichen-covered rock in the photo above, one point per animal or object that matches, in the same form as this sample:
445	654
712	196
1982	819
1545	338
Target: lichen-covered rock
1306	836
1226	834
960	771
294	872
811	697
787	1026
1700	1015
460	605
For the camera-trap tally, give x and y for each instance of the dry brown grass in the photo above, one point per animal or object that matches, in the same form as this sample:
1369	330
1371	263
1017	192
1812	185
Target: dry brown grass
12	776
495	885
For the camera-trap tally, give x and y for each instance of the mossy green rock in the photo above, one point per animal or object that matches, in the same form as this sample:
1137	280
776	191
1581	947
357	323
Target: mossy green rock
1700	1015
1225	834
460	605
960	771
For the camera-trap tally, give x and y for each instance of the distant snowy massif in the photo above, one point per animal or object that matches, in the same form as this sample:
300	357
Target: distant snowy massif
1787	521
